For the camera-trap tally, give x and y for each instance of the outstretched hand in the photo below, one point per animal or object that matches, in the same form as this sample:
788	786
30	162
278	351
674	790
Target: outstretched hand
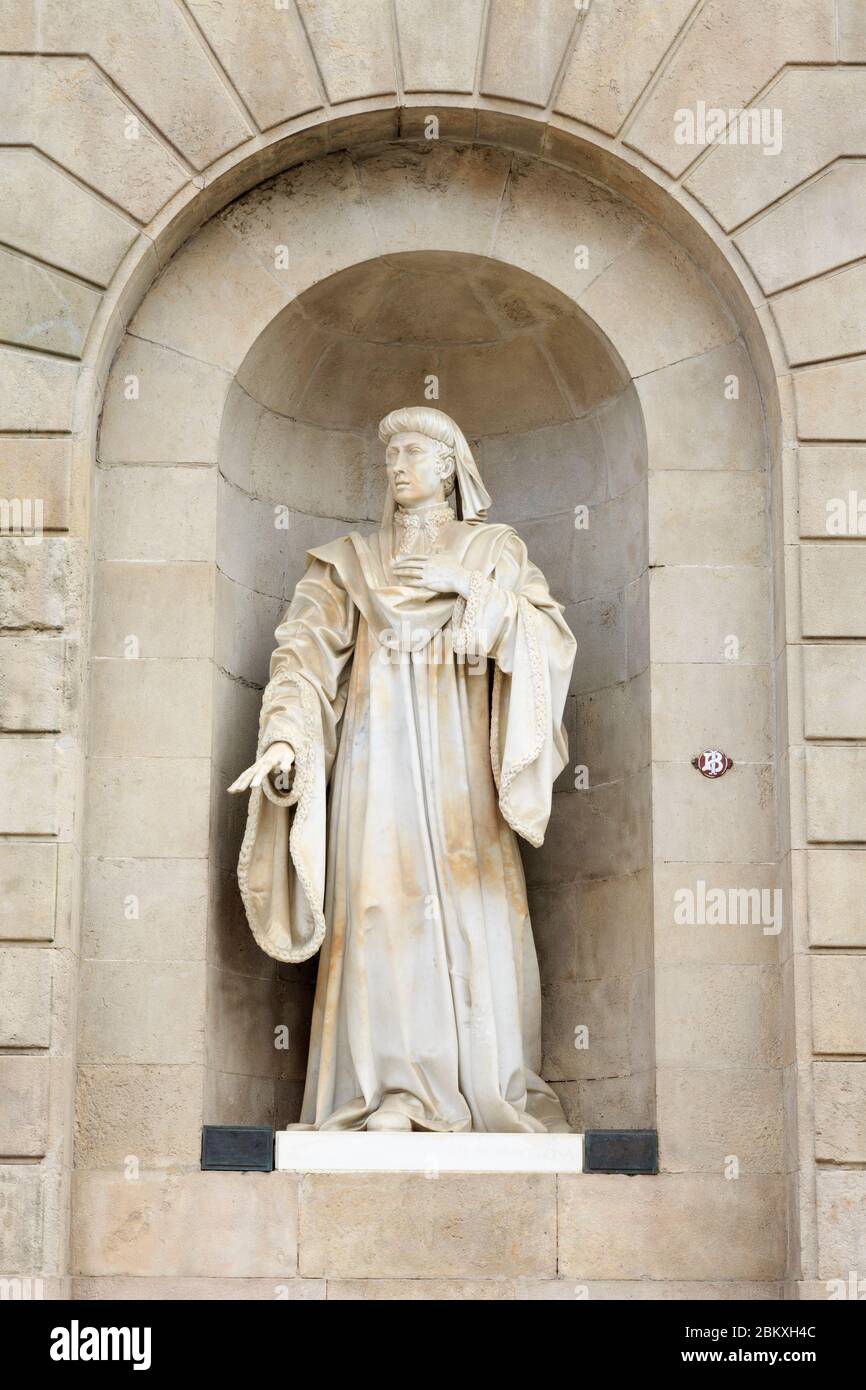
279	756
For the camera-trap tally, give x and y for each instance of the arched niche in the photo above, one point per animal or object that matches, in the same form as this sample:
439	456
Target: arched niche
556	426
632	347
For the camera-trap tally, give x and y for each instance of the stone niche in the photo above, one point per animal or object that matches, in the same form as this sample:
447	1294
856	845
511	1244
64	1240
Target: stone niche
599	385
557	429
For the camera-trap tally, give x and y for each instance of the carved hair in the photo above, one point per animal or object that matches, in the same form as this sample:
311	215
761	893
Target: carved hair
434	424
422	419
472	497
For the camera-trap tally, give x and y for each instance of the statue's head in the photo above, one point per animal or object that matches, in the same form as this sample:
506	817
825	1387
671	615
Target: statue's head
428	459
419	455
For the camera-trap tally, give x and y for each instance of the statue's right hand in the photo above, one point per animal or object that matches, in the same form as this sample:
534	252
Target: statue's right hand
278	757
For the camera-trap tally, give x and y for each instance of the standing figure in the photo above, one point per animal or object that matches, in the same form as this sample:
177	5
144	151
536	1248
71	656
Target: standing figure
411	729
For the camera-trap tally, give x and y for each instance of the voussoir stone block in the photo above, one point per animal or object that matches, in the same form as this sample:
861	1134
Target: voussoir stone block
211	302
353	44
656	280
438	47
48	215
739	178
580	215
819	227
43	309
824	318
400	1226
315	213
629	39
704	413
226	1225
670	1226
540	33
157	59
435	197
83	124
262	47
161	407
714	64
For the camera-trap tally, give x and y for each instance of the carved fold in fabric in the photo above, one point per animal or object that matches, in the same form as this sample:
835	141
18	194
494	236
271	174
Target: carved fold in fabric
505	626
281	869
437	1014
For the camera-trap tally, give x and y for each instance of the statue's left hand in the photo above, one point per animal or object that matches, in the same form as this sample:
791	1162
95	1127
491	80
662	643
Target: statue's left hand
432	572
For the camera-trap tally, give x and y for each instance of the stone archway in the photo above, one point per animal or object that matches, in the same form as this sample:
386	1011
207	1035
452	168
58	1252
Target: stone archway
167	433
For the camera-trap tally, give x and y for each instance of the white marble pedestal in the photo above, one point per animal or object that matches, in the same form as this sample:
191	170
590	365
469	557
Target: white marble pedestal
310	1151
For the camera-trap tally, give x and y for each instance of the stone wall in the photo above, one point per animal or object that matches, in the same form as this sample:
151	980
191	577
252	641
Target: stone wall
145	121
281	403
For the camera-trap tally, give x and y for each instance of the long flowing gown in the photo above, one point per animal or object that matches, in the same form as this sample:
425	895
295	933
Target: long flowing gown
438	725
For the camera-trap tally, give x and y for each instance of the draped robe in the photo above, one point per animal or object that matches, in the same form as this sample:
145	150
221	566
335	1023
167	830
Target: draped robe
428	734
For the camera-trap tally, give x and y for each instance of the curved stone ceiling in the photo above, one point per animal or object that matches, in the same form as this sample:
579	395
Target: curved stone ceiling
508	351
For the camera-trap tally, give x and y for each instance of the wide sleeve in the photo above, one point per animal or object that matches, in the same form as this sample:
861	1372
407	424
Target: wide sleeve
315	642
281	870
511	618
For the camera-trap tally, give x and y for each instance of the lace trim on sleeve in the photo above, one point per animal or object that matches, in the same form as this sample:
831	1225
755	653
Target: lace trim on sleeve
467	611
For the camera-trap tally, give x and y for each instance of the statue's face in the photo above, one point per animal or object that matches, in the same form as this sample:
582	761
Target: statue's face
414	466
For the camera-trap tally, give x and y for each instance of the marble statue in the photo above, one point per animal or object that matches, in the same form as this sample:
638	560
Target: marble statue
411	729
